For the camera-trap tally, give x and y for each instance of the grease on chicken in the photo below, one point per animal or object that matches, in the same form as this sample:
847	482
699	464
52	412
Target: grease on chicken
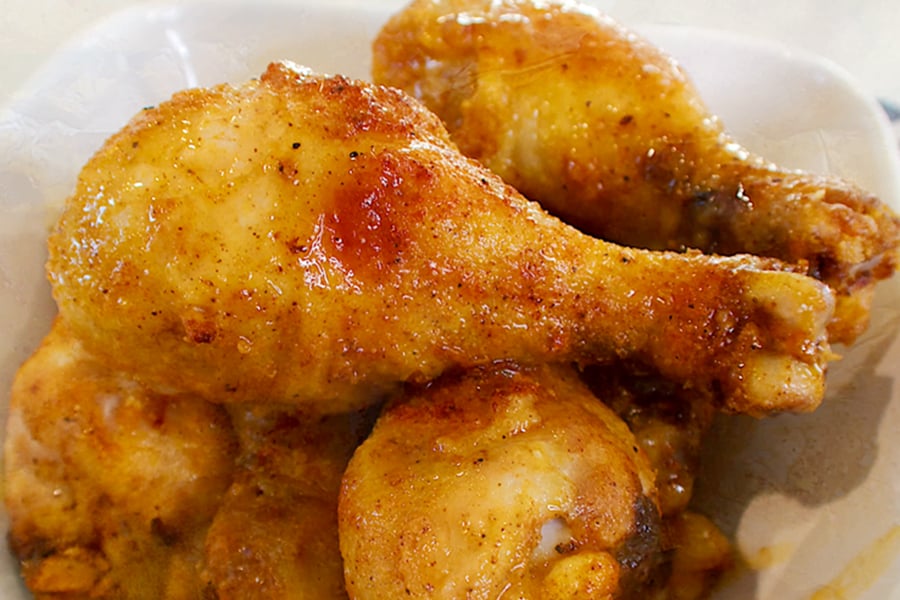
606	130
499	481
109	487
318	241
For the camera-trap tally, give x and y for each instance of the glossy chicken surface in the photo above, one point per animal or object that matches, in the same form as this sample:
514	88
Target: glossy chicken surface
607	131
495	482
275	535
109	488
318	241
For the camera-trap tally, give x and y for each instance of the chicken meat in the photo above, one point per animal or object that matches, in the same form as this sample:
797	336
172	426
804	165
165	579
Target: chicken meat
607	131
276	534
669	422
500	481
317	241
109	488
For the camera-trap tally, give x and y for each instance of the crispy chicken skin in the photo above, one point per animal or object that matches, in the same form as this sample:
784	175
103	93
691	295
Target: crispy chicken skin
318	241
605	130
276	534
109	487
499	481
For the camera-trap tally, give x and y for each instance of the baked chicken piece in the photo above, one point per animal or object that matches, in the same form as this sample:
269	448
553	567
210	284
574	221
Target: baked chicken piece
317	241
109	487
606	131
500	482
276	534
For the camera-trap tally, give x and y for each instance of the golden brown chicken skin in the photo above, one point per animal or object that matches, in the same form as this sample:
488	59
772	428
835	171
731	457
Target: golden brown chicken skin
276	535
109	488
317	241
607	131
499	482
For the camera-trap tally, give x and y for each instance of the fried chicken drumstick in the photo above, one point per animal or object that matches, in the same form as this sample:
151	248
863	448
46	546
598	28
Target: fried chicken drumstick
500	481
110	488
606	131
317	241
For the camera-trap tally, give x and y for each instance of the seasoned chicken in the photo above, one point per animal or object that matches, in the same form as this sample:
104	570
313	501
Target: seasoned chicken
109	487
669	422
606	130
276	534
500	482
318	241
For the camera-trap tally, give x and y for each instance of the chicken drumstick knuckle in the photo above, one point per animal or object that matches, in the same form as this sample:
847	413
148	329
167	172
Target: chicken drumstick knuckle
319	241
